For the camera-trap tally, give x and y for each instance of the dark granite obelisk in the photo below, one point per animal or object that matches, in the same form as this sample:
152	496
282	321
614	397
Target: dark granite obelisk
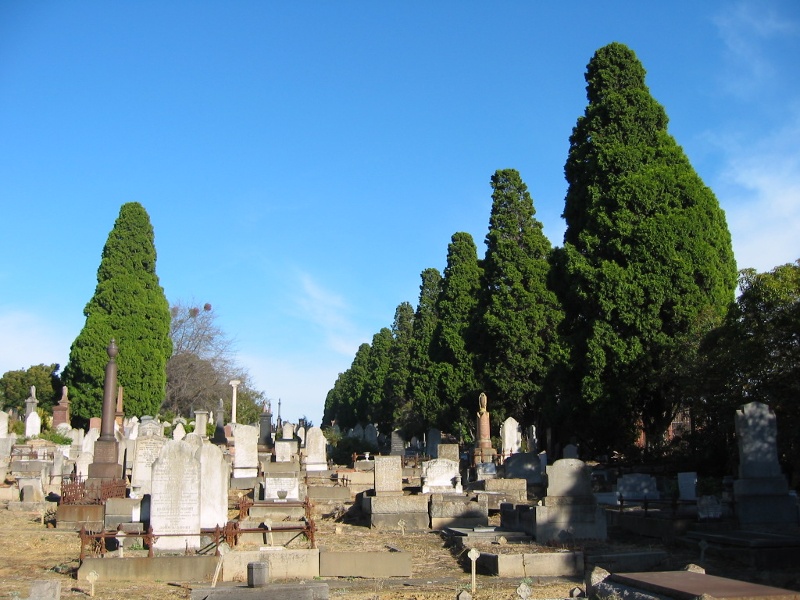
106	450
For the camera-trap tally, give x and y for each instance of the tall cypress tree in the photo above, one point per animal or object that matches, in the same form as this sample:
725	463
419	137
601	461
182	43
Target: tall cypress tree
520	314
395	386
423	374
128	305
647	256
454	339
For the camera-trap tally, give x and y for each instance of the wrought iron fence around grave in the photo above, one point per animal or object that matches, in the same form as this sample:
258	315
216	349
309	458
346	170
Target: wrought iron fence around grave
73	490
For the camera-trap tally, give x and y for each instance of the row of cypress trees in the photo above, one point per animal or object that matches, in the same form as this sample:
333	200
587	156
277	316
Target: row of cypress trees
587	339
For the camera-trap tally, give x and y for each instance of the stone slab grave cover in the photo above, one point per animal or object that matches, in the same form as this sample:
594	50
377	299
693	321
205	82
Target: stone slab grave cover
245	458
441	475
510	437
146	451
316	450
570	511
761	492
175	497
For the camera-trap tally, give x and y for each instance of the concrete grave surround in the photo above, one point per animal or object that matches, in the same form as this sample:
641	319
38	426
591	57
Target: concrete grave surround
147	449
175	497
245	458
215	476
388	476
316	453
441	475
33	425
510	437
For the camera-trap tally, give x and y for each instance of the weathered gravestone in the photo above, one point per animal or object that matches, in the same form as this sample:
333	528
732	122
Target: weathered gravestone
570	511
637	486
511	437
432	441
761	492
287	433
175	497
440	475
282	488
33	425
570	451
215	476
146	451
315	451
398	444
178	432
687	486
3	424
448	451
201	423
524	465
371	435
388	476
285	450
245	458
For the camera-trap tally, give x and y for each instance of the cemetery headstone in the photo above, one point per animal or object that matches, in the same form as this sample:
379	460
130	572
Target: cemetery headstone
637	486
178	432
511	437
33	425
146	451
687	486
3	424
533	440
570	451
398	444
432	441
440	475
175	497
448	451
285	450
215	475
316	445
358	432
245	459
287	431
201	423
371	435
388	476
761	492
281	488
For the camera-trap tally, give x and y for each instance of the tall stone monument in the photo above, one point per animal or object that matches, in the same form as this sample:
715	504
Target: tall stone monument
483	453
61	410
761	492
31	403
106	449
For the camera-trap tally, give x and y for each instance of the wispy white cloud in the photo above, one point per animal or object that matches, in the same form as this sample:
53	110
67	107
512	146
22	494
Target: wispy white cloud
761	187
328	311
744	27
27	339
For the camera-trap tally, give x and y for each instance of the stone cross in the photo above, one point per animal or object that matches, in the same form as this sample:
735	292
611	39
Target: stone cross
473	555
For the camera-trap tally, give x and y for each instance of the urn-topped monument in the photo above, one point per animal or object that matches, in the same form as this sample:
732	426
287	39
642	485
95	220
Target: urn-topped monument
483	453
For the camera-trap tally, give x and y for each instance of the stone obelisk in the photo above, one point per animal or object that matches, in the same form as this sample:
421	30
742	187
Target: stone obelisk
106	450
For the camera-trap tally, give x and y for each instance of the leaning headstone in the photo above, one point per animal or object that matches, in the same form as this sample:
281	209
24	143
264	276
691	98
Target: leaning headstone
388	476
432	441
761	492
33	425
569	511
215	476
245	458
175	497
511	437
316	444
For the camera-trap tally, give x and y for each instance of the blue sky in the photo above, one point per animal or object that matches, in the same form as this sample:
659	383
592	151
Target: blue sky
303	162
